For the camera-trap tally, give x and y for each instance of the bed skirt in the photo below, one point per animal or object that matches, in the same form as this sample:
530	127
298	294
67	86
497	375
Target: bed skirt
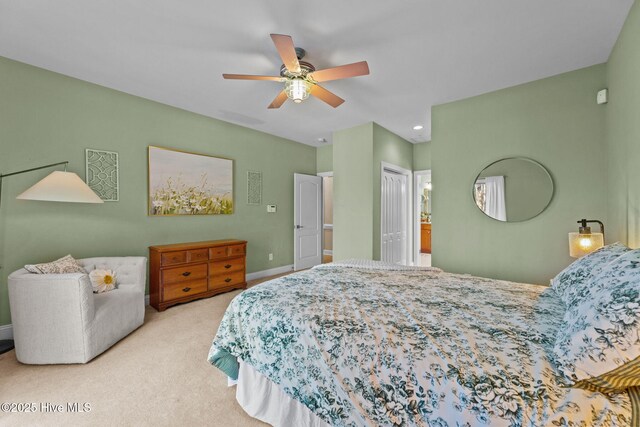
265	401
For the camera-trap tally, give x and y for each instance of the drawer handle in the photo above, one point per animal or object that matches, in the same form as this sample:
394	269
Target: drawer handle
186	273
186	289
227	266
227	280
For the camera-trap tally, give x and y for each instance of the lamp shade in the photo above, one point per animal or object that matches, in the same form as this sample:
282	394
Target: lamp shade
581	244
61	186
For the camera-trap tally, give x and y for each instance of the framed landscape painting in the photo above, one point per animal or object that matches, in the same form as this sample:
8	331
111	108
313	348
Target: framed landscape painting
182	183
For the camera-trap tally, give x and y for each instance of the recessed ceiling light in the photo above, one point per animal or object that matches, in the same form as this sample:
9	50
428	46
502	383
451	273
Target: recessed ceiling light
418	127
323	140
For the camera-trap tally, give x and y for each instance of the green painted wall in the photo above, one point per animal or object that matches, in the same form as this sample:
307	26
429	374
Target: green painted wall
389	148
324	158
422	156
46	117
353	193
554	121
623	134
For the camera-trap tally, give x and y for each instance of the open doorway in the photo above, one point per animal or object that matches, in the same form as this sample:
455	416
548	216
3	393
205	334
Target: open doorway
327	216
422	218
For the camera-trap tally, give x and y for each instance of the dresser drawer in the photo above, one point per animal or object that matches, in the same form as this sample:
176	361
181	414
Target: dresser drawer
224	280
218	252
183	289
236	250
184	273
224	267
169	258
198	255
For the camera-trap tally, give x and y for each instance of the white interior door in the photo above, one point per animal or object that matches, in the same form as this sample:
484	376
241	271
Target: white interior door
307	216
394	217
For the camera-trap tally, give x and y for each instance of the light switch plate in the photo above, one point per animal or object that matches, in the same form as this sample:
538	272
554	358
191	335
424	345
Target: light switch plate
271	208
603	96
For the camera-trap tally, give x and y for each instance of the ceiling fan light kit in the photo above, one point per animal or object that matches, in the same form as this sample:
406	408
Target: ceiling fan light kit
297	90
301	78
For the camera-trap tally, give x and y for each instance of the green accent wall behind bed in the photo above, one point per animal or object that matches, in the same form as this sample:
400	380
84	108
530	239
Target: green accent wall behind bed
46	117
623	134
554	121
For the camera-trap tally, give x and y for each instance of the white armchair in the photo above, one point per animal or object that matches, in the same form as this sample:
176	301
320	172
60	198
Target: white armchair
58	319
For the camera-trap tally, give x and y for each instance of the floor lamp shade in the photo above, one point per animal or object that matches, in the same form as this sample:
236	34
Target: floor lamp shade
61	187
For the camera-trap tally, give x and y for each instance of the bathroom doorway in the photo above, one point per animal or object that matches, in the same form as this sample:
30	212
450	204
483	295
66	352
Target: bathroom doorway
327	216
422	218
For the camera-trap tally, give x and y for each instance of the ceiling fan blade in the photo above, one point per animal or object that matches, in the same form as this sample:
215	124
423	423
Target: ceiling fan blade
251	77
277	103
342	72
287	51
328	97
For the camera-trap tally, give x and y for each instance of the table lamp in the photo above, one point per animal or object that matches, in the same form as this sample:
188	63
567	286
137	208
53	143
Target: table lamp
584	241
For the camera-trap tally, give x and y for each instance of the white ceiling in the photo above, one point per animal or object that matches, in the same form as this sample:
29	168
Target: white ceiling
420	52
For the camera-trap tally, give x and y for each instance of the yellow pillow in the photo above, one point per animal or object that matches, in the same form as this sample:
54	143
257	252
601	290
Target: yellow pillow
102	280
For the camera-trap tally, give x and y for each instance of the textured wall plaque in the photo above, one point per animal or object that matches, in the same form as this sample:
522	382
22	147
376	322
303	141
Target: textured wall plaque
254	188
102	174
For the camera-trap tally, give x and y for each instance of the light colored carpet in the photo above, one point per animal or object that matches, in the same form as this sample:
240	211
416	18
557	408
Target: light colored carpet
158	375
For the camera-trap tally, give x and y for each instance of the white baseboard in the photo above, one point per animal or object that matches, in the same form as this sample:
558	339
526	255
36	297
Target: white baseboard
146	300
270	272
6	332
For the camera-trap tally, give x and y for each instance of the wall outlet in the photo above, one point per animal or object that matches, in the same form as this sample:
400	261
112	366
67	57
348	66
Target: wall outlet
271	208
270	257
603	96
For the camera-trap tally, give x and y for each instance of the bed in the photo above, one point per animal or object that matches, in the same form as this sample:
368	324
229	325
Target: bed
356	344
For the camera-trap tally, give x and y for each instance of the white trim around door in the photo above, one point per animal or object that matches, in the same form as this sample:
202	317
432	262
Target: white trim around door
325	226
416	213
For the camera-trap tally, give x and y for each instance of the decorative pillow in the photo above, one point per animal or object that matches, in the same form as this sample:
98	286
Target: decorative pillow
598	347
102	280
63	265
570	283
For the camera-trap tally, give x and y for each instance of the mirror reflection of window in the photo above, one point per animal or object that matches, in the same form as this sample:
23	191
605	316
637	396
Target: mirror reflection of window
513	189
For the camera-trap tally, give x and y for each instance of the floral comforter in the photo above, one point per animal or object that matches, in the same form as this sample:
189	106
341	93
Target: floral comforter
362	346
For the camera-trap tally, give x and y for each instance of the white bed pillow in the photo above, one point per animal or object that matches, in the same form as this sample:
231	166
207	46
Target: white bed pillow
598	346
571	284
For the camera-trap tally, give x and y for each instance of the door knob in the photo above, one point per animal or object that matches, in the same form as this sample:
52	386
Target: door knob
298	227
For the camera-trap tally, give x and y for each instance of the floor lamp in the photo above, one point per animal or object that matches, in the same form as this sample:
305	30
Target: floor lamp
58	186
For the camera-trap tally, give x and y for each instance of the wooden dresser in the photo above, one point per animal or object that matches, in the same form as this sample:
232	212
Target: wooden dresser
186	271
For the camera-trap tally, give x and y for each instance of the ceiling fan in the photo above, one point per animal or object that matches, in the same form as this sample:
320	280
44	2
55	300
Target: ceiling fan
300	78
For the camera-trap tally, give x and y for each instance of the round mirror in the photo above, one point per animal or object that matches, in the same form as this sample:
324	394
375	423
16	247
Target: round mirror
513	189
